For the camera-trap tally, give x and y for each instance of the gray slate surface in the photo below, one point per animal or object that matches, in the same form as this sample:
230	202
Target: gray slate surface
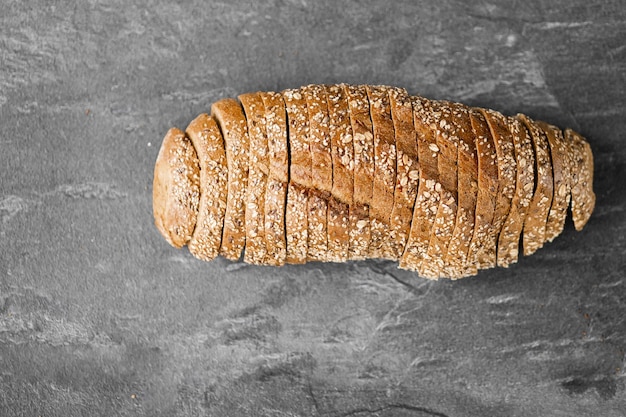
100	317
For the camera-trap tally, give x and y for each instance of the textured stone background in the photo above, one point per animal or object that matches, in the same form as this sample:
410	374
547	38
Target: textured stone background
100	317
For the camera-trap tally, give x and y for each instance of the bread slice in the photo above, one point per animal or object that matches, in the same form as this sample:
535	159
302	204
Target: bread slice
342	150
583	197
482	250
407	169
338	229
319	138
508	241
296	223
362	142
278	178
535	224
415	256
507	170
176	188
384	172
561	180
258	169
299	146
447	144
342	153
209	144
456	263
359	231
232	123
317	213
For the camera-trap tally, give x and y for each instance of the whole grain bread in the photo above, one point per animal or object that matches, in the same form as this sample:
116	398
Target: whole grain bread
415	255
278	178
507	170
384	172
561	180
583	197
362	142
407	169
482	250
535	224
296	220
206	138
176	188
456	262
232	123
508	241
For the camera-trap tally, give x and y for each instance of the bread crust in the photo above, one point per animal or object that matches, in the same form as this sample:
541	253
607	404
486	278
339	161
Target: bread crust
296	220
363	143
232	122
583	197
359	231
535	224
176	188
209	145
508	241
482	247
407	169
384	172
258	169
338	229
561	174
342	152
319	138
456	263
278	178
507	171
317	213
296	224
415	256
447	144
299	146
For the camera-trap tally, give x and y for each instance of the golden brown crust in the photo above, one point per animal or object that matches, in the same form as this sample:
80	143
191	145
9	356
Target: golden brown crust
407	169
338	229
232	123
359	231
317	213
508	241
456	261
296	223
415	256
482	248
583	197
319	138
384	172
561	180
176	188
363	143
299	147
447	154
208	142
258	169
278	178
342	151
507	171
535	224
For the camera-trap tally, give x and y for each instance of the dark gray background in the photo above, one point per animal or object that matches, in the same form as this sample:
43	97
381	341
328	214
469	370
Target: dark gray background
100	317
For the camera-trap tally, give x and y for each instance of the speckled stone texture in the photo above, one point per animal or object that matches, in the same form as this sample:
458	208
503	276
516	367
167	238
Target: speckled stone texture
99	316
